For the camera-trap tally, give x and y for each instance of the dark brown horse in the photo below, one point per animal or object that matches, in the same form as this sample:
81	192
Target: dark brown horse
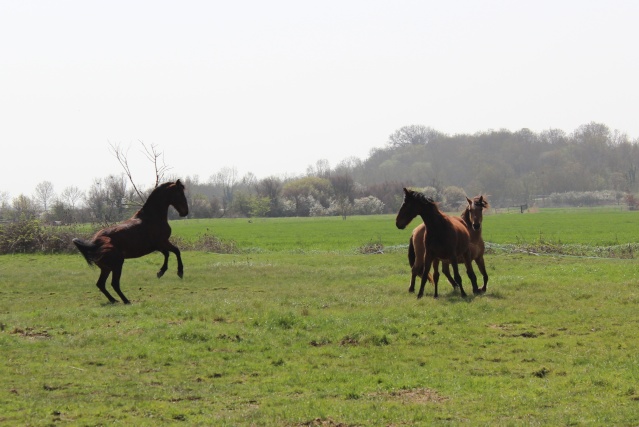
147	231
447	239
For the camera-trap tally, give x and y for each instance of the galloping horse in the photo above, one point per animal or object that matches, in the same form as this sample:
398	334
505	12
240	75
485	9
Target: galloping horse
147	231
472	218
447	239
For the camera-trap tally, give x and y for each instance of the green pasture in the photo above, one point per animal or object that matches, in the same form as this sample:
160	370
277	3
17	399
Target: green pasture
304	330
594	228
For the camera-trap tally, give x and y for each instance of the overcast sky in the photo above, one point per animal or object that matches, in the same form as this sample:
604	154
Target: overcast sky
270	87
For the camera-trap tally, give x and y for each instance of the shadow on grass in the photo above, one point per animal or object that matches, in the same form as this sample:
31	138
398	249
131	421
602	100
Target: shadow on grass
454	296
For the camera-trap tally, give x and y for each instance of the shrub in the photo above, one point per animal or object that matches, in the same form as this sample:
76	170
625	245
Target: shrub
31	236
368	206
585	198
207	243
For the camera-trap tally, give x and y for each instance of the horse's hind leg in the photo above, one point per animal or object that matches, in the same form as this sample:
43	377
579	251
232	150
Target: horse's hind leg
482	269
104	274
115	281
165	266
446	271
427	264
435	272
411	288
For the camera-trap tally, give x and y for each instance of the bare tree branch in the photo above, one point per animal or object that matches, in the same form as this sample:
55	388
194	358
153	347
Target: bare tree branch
154	156
122	157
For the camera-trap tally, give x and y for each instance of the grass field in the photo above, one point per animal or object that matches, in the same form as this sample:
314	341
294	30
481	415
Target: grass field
302	330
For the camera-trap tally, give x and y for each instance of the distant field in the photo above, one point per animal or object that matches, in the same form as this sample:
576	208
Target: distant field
593	227
587	227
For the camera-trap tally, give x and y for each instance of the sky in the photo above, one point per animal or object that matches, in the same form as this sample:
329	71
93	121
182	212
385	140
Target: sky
271	87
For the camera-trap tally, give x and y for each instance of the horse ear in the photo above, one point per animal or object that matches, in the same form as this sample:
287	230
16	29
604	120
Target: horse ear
470	202
179	184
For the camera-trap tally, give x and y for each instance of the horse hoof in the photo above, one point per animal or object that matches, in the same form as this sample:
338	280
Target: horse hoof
160	273
180	274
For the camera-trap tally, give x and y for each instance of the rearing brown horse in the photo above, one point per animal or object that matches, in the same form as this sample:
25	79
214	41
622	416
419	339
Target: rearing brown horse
147	231
447	239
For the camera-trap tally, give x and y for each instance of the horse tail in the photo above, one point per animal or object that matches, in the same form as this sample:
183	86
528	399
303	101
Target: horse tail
411	252
88	249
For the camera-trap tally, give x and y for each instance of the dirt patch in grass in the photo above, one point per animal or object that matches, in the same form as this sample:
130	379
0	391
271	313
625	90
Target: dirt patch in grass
415	395
320	422
31	333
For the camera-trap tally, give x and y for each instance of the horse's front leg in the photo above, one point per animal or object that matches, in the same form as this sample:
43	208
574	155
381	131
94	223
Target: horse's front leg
458	278
176	251
471	274
482	269
165	266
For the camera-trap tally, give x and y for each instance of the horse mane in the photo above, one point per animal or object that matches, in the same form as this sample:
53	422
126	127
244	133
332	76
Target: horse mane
152	199
481	200
163	187
421	197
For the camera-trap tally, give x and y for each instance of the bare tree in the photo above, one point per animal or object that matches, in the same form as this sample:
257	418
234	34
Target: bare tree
322	169
226	179
413	135
24	207
5	206
44	194
271	188
152	153
343	188
71	196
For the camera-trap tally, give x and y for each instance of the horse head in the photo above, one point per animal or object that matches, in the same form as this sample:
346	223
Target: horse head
414	204
177	198
475	209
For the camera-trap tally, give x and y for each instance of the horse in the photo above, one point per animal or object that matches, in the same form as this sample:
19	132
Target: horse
472	217
447	239
145	232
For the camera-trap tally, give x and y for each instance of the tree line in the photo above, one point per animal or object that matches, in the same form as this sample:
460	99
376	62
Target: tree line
590	165
511	167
